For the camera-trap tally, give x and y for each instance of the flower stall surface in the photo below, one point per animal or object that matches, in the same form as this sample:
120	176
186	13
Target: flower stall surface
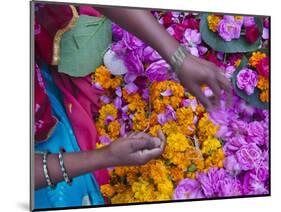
223	153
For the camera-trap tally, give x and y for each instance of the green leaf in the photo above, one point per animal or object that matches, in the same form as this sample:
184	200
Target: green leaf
252	99
82	48
234	46
192	168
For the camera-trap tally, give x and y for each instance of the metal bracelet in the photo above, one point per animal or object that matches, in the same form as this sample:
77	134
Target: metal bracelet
178	58
63	170
45	170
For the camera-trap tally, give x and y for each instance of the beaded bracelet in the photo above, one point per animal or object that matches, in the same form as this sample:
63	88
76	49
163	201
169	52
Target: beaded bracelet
64	173
178	58
45	170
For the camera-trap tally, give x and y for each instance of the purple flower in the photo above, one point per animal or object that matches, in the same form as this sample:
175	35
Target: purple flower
118	91
157	71
247	80
145	94
105	99
228	28
234	143
217	183
253	186
150	55
188	189
131	88
108	119
131	41
117	32
167	92
249	21
170	112
133	63
249	156
265	33
256	133
104	139
118	102
192	40
130	77
231	165
162	118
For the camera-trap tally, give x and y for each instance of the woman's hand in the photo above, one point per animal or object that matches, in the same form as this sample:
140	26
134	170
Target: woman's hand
196	72
135	149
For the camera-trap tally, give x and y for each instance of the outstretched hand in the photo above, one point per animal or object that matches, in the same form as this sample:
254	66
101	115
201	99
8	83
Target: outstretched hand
196	72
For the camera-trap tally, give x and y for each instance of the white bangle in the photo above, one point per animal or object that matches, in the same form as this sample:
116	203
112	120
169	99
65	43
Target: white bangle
178	58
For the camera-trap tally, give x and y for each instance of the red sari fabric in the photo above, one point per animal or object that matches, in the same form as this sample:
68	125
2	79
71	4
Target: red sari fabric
79	97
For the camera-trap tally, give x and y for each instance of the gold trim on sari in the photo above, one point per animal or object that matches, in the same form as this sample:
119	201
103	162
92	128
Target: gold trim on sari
59	34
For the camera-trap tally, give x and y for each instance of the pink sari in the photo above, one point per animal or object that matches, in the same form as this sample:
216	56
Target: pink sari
79	97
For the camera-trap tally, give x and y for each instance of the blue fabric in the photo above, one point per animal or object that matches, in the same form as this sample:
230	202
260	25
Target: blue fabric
84	189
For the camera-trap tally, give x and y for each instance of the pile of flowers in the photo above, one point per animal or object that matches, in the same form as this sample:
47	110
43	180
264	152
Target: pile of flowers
217	154
231	27
255	76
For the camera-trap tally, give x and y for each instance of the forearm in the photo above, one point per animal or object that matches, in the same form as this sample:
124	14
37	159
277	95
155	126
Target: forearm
142	24
76	164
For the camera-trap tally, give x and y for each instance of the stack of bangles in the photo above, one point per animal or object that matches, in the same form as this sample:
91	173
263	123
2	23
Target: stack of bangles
62	167
178	58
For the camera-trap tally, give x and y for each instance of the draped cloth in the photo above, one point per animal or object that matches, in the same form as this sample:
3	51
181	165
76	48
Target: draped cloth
80	99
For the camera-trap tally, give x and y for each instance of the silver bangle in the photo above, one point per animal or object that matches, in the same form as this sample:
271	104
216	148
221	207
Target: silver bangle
45	170
178	58
63	170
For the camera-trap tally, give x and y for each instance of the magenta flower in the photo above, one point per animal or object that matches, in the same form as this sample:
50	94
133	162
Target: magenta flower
157	71
188	189
249	21
131	41
229	29
247	80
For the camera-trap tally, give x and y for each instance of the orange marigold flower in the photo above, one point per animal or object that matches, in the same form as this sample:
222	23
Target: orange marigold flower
255	58
264	96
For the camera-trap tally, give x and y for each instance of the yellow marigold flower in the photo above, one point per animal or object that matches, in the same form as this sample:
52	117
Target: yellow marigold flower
238	18
210	145
184	115
177	142
114	129
255	58
154	130
170	127
159	102
206	128
143	191
107	110
105	79
107	190
140	122
215	159
213	21
264	96
166	187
